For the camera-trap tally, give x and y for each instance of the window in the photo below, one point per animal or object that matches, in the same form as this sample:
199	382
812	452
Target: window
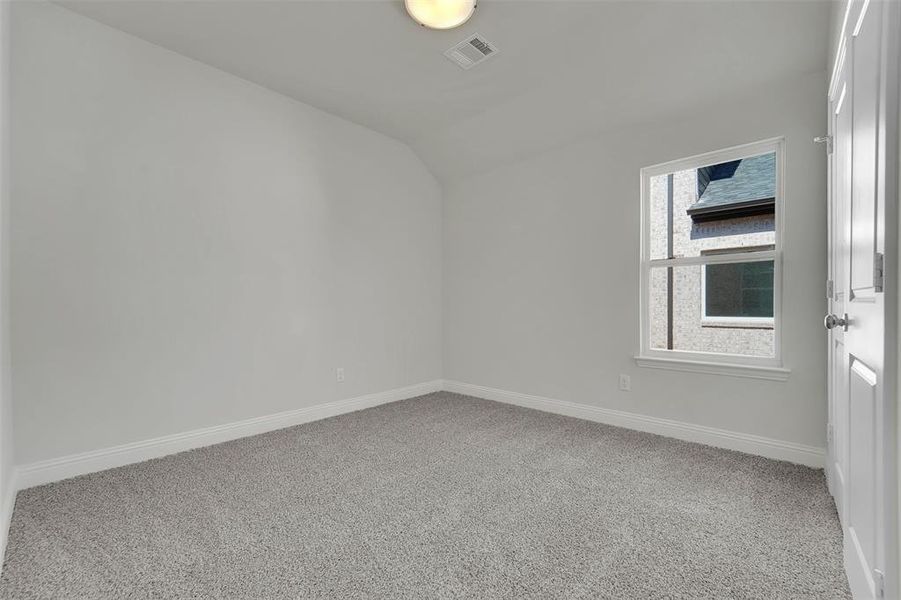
711	262
738	294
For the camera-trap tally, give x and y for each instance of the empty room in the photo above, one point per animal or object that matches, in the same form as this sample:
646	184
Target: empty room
489	299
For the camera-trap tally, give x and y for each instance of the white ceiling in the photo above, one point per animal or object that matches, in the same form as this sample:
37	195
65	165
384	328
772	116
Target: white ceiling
566	69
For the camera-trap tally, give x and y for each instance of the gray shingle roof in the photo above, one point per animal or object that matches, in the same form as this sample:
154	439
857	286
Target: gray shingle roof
735	182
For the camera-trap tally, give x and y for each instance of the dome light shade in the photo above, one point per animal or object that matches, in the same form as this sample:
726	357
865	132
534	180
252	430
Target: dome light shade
441	14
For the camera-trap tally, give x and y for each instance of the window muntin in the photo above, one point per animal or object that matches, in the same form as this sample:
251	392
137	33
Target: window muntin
712	256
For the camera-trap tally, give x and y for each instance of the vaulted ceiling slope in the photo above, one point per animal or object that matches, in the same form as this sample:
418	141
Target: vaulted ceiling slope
565	70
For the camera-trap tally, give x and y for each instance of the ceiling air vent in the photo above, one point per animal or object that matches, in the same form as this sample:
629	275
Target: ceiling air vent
471	51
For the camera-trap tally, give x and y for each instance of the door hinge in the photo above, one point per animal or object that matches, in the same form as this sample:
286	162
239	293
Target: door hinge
825	139
879	271
829	435
830	289
879	583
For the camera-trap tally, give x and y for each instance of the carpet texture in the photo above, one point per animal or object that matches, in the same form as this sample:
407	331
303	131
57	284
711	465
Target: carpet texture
442	496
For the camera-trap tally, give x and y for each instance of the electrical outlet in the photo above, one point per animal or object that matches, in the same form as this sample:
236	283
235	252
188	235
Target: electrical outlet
625	382
339	374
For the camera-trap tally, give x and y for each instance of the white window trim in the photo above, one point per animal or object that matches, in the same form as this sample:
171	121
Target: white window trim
710	362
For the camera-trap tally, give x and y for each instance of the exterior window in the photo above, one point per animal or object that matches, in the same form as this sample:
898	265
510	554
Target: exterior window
739	291
711	257
738	294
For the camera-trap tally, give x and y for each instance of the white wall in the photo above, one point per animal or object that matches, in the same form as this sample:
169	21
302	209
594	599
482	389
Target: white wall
541	271
190	249
7	484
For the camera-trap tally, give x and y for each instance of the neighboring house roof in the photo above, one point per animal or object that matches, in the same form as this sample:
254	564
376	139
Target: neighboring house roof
736	188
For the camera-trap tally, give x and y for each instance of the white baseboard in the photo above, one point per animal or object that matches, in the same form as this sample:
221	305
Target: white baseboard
7	503
810	456
56	469
48	471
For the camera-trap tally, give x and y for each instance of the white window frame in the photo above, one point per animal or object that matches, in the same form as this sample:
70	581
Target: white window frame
762	367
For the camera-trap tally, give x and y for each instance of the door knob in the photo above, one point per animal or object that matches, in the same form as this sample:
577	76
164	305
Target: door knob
832	321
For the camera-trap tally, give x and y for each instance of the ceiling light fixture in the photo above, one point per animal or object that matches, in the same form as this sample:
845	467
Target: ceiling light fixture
441	14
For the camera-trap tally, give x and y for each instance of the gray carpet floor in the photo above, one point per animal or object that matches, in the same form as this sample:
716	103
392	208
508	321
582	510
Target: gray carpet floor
442	496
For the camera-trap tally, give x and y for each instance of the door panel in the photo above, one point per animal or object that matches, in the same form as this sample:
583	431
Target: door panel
865	93
864	468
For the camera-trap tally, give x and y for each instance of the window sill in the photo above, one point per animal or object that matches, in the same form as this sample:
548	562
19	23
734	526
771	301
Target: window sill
714	368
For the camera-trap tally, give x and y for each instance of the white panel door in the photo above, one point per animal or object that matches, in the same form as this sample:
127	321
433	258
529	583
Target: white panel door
860	443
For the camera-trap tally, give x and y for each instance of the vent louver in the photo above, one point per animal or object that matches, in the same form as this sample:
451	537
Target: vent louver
471	51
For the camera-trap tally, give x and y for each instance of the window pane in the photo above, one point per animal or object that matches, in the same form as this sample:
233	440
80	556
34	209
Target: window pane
739	290
675	309
727	205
